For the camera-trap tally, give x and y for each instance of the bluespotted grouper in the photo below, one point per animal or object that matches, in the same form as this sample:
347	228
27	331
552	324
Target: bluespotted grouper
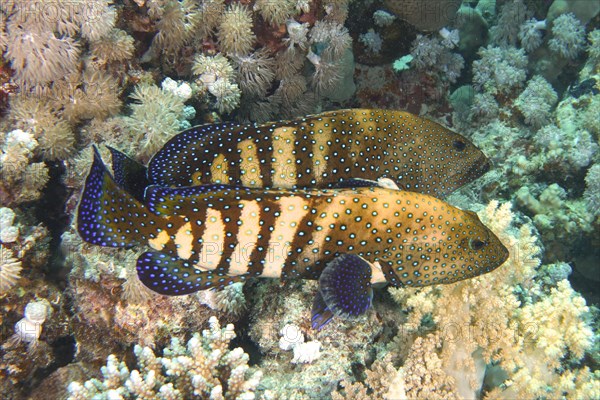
208	236
319	151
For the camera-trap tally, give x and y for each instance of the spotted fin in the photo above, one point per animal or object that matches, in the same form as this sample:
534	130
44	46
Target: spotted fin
108	215
173	276
129	174
344	290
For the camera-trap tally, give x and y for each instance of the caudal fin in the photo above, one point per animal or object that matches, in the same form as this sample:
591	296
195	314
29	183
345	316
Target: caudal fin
110	216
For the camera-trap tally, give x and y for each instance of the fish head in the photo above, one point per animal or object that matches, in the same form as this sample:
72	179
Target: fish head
462	161
438	243
450	160
472	247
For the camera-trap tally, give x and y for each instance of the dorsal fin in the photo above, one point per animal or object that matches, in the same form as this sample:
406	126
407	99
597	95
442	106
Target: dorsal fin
174	163
129	174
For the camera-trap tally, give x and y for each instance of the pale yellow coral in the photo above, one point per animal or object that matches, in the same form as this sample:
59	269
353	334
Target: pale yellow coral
155	118
256	73
482	320
276	12
177	22
235	30
557	325
98	19
10	269
117	45
211	11
39	57
55	136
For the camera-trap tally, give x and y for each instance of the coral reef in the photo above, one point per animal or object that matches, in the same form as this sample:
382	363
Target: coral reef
203	368
520	78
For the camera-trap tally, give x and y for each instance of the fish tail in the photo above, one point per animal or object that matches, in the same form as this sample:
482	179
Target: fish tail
109	215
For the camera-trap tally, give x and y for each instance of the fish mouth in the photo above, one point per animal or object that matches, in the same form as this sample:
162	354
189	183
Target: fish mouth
481	166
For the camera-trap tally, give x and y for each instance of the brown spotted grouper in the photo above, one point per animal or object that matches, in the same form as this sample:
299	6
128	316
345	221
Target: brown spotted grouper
208	236
320	151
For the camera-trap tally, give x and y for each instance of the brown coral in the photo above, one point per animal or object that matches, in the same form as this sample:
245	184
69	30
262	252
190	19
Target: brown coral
425	15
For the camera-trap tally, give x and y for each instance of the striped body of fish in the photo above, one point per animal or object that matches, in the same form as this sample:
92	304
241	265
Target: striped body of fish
209	236
319	151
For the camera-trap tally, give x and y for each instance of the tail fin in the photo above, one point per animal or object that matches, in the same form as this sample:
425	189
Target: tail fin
108	215
129	174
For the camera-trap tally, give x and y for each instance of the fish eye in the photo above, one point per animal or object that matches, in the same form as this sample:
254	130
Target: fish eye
459	145
476	244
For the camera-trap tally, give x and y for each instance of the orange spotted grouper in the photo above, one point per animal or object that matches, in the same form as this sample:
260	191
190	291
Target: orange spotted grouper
204	237
320	151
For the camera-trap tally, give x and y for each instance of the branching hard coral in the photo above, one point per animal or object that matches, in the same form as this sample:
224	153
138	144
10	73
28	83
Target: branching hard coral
536	101
204	368
500	70
10	269
568	36
235	31
276	12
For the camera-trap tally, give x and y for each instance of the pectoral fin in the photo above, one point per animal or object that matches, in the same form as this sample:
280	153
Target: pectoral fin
344	290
